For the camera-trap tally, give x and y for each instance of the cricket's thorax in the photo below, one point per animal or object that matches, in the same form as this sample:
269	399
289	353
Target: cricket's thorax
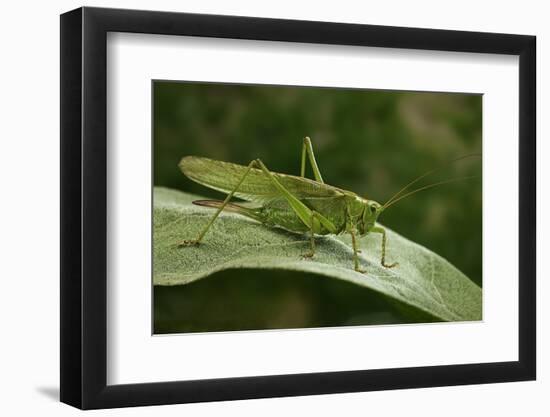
355	207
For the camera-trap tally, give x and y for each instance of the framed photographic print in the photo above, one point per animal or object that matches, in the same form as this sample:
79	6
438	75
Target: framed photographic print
257	208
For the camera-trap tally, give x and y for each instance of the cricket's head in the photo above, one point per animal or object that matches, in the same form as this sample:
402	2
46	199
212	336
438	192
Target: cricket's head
370	215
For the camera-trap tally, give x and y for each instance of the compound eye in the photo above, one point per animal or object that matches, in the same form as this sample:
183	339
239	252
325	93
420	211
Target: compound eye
372	209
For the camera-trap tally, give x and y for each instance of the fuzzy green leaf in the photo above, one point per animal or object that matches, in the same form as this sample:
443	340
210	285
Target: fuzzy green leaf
422	279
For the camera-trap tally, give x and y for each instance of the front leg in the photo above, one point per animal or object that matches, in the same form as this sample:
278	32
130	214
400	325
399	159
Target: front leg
378	229
350	228
355	252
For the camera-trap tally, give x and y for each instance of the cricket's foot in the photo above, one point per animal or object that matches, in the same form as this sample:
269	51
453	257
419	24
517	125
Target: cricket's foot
308	255
390	265
361	271
185	243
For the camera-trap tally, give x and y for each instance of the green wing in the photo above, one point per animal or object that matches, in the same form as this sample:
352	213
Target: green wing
224	176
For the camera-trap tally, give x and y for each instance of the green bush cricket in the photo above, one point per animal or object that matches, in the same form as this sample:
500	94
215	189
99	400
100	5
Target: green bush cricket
296	204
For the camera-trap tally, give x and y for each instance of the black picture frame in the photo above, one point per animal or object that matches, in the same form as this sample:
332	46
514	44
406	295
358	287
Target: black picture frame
84	207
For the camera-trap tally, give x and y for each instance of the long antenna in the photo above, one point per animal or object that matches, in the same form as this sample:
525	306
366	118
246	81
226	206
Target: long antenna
428	173
392	202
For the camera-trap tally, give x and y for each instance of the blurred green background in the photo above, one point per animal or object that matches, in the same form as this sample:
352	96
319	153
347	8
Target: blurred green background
368	141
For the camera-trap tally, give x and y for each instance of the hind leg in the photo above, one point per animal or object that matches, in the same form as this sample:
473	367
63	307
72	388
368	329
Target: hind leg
307	149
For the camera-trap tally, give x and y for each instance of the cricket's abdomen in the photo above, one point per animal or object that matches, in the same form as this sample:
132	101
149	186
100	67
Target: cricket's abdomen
273	214
278	213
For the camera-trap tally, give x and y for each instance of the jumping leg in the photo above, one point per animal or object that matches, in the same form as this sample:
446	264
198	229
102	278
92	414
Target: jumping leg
307	148
301	210
312	219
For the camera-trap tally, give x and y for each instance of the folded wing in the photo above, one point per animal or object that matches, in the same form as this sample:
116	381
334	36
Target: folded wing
224	177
